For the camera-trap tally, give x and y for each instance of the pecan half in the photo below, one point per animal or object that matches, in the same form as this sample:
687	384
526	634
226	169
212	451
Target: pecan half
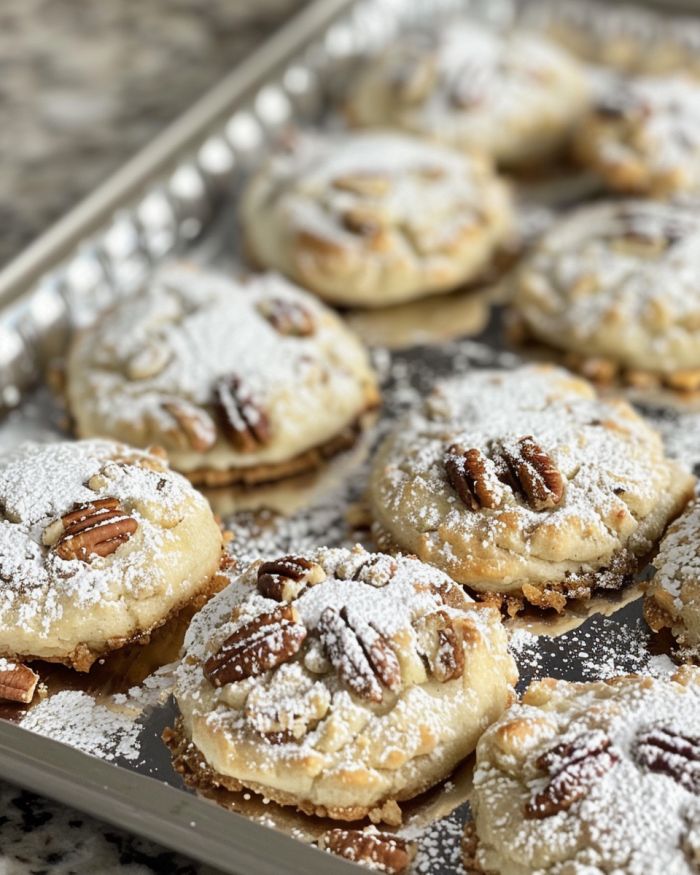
287	317
245	424
573	766
96	528
283	579
363	658
381	851
257	646
662	749
17	682
529	469
473	477
194	427
443	645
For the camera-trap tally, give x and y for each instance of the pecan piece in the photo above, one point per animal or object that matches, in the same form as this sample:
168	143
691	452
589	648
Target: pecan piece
257	646
530	470
363	184
473	477
17	682
374	570
381	851
287	317
245	424
662	749
283	579
443	645
573	767
363	658
96	528
194	427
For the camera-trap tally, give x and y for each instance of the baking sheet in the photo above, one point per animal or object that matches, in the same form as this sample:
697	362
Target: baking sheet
118	712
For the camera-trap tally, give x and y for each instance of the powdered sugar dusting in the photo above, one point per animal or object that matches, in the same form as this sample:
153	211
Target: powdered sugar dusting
665	110
74	718
618	279
636	810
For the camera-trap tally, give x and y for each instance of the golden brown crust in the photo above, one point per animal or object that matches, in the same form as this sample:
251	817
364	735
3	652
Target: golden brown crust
470	843
554	595
197	774
310	460
83	657
601	370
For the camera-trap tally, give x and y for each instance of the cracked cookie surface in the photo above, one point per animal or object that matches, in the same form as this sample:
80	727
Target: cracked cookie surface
513	96
370	219
99	544
239	380
524	483
616	282
339	682
643	136
584	778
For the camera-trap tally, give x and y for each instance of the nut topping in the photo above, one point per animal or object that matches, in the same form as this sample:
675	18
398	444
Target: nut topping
148	362
363	658
662	749
442	643
96	528
381	851
245	424
573	767
257	646
536	474
473	477
290	704
194	427
363	184
17	682
376	570
525	468
287	317
284	579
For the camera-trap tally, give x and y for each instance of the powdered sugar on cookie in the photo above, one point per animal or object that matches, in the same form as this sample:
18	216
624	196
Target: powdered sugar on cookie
618	280
90	531
223	373
640	805
673	595
274	693
584	486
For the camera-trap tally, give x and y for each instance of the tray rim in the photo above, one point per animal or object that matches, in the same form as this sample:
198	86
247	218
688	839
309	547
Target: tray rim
196	827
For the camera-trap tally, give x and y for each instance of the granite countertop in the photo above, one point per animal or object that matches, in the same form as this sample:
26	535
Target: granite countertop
82	87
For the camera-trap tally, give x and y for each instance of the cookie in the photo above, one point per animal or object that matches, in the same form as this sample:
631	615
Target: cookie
514	96
99	544
340	682
613	285
525	484
643	136
591	778
673	595
241	381
371	219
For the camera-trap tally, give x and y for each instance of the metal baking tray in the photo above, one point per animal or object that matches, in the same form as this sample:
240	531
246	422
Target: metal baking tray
96	739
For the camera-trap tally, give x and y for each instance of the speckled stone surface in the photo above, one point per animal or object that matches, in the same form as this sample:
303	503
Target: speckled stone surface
38	836
82	86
